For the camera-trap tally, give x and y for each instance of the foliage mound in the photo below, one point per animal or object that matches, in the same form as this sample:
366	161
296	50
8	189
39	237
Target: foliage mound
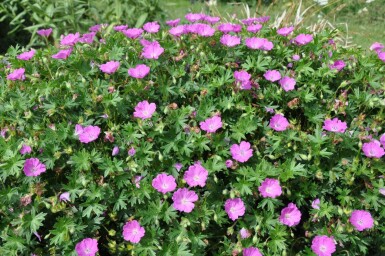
202	139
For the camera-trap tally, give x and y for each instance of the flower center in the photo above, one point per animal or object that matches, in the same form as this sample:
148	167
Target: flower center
196	178
268	190
184	201
135	231
360	222
287	216
232	209
322	248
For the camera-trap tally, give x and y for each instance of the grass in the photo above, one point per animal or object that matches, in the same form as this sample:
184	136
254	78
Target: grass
359	23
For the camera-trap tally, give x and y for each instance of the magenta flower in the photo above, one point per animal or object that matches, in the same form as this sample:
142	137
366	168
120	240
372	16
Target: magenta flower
270	188
315	203
178	166
133	231
249	21
285	31
243	79
152	51
110	67
382	139
259	43
296	57
87	134
151	27
212	20
25	149
17	74
212	124
164	183
87	38
262	19
373	149
205	30
115	151
120	27
235	208
230	41
287	83
303	39
45	32
254	28
33	167
290	215
137	180
64	197
376	47
139	71
338	65
251	251
26	55
241	152
178	30
272	75
70	39
334	125
323	246
63	54
229	27
381	56
244	233
229	163
184	200
194	17
173	23
278	123
361	220
133	33
87	247
131	151
95	28
144	109
196	175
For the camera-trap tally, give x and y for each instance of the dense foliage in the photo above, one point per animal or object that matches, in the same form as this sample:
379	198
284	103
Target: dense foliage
224	139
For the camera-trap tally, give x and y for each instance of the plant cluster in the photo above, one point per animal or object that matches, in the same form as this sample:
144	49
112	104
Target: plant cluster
204	138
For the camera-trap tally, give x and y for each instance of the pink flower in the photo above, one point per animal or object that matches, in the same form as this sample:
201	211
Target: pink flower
133	231
64	197
334	125
87	247
229	163
131	151
262	19
249	21
33	167
133	33
87	134
164	183
63	54
381	56
315	204
235	208
205	30
184	200
270	188
152	51
178	30
178	166
26	55
285	31
115	151
173	23
259	43
45	32
110	67
229	27
254	28
25	149
194	17
139	71
95	28
144	109
244	233
151	27
361	220
137	180
241	152
87	38
381	191
120	27
272	75
373	149
303	39
382	139
211	124
251	251
338	65
278	123
287	83
70	39
212	20
243	79
296	57
17	74
376	47
323	246
230	41
290	215
196	175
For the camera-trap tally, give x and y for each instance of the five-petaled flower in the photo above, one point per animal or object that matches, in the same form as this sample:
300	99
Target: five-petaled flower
144	109
241	152
235	208
133	231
